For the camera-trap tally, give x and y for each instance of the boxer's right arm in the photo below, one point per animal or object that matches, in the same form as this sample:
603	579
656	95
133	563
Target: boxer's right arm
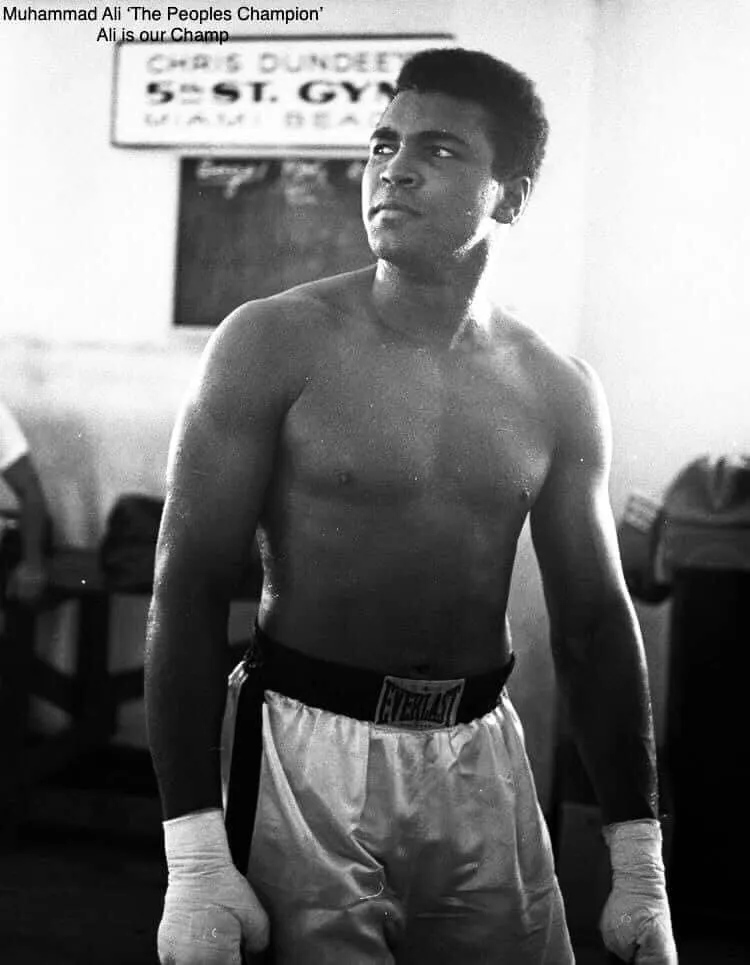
220	463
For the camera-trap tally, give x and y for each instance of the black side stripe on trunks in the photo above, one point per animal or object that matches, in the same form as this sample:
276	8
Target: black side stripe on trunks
244	771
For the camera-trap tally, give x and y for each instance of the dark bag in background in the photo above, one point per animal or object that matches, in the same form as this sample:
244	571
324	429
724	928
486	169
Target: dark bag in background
707	516
702	523
128	548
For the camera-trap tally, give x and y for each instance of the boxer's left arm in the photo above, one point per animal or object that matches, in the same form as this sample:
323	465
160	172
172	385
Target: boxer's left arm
600	662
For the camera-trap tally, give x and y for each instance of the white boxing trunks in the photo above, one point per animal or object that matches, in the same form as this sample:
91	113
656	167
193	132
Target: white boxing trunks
379	843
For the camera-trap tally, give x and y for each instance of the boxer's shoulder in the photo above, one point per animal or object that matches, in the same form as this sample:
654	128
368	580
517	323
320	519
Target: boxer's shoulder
567	384
529	349
297	320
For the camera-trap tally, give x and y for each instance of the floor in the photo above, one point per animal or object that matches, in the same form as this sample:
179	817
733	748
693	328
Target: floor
79	903
82	882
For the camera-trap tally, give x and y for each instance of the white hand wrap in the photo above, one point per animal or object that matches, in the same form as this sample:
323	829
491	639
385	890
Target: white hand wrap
210	911
636	924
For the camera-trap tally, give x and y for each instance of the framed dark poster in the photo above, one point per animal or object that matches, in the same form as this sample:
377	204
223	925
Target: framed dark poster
251	227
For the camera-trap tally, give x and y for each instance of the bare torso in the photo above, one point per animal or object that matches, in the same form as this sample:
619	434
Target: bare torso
402	478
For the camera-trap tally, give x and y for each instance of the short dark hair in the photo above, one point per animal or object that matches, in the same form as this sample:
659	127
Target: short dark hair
516	112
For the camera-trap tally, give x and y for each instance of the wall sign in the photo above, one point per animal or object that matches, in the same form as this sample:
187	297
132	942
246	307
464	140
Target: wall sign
306	92
249	227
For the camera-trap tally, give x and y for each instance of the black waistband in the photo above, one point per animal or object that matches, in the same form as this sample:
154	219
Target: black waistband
366	695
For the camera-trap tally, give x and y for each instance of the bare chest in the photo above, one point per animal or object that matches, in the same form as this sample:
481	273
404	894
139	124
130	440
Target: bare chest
392	426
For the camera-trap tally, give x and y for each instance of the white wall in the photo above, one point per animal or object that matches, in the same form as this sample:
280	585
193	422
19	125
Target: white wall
89	358
668	301
666	319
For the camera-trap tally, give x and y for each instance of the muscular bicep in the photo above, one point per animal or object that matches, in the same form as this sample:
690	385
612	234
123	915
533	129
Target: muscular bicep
215	484
221	459
571	523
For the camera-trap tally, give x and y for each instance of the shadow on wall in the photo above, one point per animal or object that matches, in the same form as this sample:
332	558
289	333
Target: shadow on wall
98	419
65	454
86	466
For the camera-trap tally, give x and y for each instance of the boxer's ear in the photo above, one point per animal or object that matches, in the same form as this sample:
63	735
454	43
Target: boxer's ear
513	198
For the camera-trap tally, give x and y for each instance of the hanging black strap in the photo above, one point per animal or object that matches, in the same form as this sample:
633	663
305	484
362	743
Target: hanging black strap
244	772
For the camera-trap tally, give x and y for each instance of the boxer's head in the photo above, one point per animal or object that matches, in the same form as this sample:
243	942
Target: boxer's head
453	156
516	123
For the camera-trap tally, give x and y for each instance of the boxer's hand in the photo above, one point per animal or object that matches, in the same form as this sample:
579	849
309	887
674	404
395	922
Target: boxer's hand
636	924
210	911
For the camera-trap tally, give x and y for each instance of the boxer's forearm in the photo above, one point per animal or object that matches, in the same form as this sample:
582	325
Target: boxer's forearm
603	678
185	693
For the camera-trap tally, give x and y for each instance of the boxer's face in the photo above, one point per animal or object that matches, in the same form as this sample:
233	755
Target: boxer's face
429	190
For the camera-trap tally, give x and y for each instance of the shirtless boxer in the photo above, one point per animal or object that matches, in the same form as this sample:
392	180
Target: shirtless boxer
387	432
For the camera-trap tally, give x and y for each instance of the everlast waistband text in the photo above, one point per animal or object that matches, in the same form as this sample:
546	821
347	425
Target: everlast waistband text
418	703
